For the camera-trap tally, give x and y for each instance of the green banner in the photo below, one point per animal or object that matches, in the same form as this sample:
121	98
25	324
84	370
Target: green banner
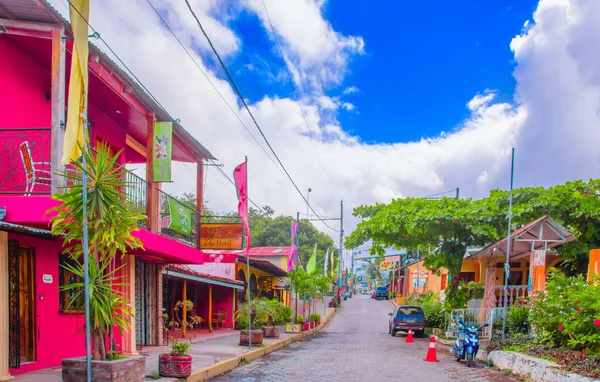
181	217
163	147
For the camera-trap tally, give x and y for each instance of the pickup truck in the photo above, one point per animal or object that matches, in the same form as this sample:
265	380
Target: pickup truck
406	317
382	293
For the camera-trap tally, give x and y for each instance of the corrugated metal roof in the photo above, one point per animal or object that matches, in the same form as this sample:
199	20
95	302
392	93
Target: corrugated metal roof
42	11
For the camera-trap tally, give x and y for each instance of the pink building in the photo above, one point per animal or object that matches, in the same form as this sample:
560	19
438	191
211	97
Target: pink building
36	330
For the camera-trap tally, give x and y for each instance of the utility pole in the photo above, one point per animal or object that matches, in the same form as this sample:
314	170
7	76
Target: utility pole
341	245
457	192
298	257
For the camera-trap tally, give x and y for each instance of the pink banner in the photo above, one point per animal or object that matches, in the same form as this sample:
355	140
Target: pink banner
240	175
294	249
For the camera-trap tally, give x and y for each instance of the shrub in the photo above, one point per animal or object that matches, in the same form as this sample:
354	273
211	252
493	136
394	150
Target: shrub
567	313
517	317
456	296
316	317
300	319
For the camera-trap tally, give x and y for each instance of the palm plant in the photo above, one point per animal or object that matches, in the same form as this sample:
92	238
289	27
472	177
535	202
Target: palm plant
261	310
110	224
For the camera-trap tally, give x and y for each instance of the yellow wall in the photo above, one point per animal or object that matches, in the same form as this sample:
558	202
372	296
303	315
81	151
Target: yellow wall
433	283
258	273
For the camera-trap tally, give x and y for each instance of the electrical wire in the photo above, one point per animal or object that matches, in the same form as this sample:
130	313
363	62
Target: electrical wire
440	193
296	93
139	82
233	84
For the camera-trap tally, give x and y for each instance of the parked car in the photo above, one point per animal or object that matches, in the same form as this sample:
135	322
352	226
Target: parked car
382	293
406	317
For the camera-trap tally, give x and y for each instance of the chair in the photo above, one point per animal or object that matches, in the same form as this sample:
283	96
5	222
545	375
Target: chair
219	318
34	175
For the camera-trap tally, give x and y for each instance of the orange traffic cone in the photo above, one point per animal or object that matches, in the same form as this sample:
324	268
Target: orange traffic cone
431	353
409	337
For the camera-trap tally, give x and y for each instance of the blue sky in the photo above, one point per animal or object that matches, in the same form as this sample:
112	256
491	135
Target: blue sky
423	61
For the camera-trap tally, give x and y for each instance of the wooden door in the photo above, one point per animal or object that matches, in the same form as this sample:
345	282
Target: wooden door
26	306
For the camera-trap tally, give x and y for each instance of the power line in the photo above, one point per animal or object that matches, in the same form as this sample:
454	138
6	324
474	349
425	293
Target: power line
210	82
233	84
296	92
99	37
440	193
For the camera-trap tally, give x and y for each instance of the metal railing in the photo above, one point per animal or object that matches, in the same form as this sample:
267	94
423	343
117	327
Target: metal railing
136	190
474	317
175	230
25	166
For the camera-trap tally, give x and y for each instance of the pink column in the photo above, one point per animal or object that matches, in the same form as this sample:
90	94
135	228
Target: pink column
489	294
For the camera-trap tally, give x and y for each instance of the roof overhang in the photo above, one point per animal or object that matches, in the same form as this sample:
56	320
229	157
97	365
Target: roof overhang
199	279
264	266
541	234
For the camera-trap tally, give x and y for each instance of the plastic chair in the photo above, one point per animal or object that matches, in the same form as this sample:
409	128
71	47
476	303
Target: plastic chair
34	175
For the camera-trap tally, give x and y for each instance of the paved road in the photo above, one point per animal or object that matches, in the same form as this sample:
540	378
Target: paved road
356	346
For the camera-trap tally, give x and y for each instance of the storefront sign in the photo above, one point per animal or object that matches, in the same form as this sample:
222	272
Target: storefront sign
220	236
265	283
47	279
292	328
280	283
385	265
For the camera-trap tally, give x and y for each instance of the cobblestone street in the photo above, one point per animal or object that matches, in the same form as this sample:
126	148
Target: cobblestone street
356	346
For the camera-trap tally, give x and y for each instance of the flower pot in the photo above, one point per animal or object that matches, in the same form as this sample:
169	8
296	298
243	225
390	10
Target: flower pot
319	323
305	326
174	366
121	370
256	337
312	324
270	331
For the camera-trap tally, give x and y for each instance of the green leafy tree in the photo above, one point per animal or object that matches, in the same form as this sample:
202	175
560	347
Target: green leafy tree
111	221
443	229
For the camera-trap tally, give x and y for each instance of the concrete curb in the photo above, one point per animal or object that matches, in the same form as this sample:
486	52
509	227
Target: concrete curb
535	368
219	368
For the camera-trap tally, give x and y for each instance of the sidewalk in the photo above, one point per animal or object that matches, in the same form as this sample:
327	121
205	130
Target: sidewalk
207	349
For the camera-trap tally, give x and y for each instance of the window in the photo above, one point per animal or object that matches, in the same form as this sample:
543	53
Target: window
410	311
66	277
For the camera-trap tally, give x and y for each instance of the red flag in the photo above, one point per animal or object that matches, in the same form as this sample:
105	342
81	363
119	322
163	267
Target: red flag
240	175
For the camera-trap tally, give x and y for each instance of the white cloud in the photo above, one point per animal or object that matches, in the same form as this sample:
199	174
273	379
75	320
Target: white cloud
553	121
351	89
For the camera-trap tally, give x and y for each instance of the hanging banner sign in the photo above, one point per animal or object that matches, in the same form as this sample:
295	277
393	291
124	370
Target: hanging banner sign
385	265
280	283
221	236
180	217
163	147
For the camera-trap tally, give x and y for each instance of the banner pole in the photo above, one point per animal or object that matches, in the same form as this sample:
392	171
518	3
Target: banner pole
248	267
86	272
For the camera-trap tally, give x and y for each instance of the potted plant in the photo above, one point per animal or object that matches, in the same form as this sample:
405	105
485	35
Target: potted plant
260	311
178	362
271	329
305	325
316	317
111	223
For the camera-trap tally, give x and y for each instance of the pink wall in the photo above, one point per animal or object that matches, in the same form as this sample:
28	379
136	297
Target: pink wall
56	332
222	299
23	100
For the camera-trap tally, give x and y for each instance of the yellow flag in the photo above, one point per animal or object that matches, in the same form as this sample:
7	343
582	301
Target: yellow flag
79	11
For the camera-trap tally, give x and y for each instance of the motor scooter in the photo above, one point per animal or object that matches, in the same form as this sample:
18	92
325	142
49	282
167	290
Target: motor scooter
466	345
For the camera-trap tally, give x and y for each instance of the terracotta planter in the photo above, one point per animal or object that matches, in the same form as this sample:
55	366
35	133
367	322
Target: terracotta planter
270	331
305	326
256	336
174	366
129	369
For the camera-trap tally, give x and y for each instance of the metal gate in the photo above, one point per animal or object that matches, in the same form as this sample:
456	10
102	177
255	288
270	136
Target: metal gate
474	317
146	314
14	326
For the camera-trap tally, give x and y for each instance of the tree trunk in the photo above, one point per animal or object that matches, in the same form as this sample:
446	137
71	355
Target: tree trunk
96	355
102	345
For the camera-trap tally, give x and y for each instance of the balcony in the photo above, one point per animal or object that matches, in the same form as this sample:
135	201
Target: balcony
25	170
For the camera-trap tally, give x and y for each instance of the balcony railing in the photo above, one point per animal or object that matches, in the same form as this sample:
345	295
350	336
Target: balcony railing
515	293
25	169
171	228
25	161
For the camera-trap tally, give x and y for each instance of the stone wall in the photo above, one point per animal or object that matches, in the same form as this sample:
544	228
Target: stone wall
130	369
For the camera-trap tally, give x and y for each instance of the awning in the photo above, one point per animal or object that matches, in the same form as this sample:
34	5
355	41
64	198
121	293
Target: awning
163	250
183	272
27	231
541	234
264	266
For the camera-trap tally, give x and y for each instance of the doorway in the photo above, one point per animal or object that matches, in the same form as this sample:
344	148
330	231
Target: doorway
146	304
21	304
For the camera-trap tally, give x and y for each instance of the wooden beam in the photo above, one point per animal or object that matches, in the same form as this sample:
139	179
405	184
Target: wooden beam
210	309
58	107
29	25
184	299
135	145
150	193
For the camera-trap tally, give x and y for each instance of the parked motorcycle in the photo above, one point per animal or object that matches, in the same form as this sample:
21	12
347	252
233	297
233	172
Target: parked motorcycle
466	345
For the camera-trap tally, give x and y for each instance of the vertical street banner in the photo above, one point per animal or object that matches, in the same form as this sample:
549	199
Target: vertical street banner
163	147
180	217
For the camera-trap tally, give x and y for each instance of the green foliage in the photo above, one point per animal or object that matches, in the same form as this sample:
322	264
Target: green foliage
261	311
111	221
281	314
316	317
457	296
300	319
517	318
113	355
567	313
181	349
436	313
448	226
475	290
178	347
